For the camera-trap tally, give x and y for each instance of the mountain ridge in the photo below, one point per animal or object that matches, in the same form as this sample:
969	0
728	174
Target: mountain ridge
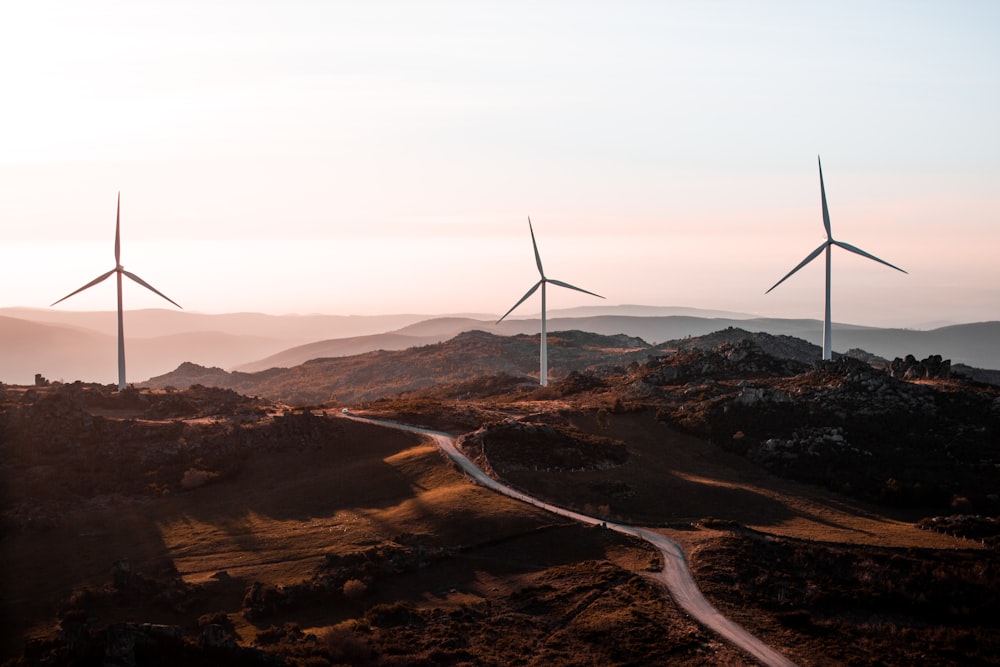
969	344
470	356
74	345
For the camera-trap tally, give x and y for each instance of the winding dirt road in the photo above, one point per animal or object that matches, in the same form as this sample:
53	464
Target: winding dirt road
675	575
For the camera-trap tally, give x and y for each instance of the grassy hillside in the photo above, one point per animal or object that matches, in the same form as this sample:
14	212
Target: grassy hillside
837	510
240	532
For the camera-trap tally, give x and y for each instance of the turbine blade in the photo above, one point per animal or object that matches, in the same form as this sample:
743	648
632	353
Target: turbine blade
826	211
578	289
859	251
530	292
149	287
813	255
538	259
90	284
118	230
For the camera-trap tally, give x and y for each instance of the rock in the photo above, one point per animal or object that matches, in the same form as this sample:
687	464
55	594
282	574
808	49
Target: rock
216	636
122	575
908	368
122	638
755	395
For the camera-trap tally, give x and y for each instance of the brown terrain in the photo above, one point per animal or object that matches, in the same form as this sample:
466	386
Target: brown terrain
844	514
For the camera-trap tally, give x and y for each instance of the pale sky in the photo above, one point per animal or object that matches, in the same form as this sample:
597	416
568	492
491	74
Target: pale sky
383	157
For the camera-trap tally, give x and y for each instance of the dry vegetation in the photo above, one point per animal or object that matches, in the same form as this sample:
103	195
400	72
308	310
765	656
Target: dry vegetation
837	489
841	514
309	540
839	604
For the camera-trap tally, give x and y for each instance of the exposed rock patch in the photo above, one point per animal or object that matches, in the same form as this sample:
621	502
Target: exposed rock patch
933	367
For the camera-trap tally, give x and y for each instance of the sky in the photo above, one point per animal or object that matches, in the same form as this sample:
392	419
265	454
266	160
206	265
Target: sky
383	157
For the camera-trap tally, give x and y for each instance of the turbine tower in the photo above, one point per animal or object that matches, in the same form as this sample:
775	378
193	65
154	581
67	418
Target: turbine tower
120	270
826	246
543	376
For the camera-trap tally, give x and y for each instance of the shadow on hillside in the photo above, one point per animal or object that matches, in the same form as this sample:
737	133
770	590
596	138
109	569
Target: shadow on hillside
673	476
337	474
760	507
256	511
41	568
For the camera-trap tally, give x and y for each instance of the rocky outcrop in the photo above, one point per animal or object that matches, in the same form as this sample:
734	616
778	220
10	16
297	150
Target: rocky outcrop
781	347
931	368
753	395
700	368
857	429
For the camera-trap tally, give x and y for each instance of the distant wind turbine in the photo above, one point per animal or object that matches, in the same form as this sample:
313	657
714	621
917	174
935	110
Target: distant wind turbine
543	377
120	270
827	326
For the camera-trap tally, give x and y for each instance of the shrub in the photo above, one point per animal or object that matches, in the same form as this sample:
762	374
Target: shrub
960	504
354	589
345	646
219	618
193	478
391	615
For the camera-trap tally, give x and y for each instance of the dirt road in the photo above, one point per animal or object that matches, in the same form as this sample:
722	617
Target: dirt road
675	575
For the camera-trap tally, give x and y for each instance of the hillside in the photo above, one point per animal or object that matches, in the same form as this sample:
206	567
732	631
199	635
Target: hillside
970	344
337	347
79	345
204	528
469	357
819	504
63	352
731	434
376	374
65	347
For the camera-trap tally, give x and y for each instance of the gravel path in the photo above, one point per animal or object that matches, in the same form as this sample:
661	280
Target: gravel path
675	575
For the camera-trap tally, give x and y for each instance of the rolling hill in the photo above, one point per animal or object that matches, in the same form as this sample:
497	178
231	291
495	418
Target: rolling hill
71	345
971	344
68	353
372	375
76	345
813	502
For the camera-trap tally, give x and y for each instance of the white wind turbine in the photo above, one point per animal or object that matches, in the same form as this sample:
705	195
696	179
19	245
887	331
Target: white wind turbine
543	377
120	270
827	327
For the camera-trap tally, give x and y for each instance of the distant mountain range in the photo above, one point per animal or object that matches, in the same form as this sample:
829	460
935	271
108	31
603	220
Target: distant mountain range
69	345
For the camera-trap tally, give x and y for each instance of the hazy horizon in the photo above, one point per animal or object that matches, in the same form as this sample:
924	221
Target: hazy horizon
366	159
528	314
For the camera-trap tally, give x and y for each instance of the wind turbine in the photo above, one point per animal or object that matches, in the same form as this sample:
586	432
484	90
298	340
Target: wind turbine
120	270
543	376
826	246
